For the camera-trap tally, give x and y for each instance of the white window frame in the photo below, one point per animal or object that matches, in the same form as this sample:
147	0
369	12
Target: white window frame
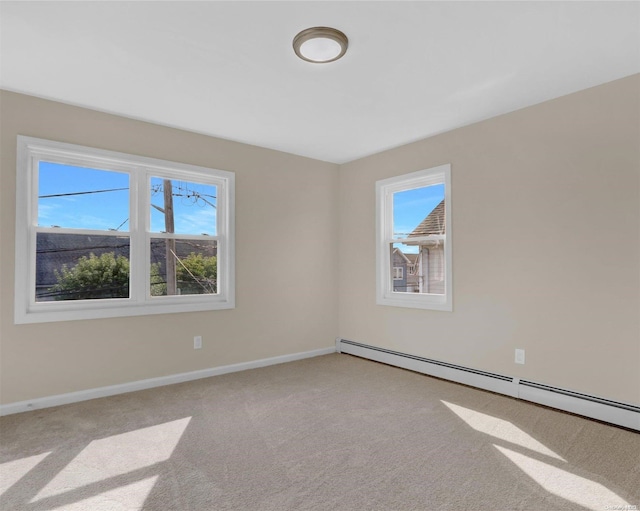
140	169
385	188
398	273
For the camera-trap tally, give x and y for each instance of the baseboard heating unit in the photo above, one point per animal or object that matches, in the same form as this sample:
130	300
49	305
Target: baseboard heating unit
614	412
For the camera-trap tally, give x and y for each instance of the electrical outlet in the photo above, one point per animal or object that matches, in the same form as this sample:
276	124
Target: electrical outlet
197	342
519	356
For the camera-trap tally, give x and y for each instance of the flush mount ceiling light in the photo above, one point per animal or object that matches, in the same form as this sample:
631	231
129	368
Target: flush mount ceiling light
320	44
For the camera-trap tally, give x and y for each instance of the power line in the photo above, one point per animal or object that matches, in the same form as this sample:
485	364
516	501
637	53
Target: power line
80	193
118	228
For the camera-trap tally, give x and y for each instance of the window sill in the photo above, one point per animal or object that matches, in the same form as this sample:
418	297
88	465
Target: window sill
61	311
416	301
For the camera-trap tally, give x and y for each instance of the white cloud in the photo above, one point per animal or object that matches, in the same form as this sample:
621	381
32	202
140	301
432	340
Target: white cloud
201	220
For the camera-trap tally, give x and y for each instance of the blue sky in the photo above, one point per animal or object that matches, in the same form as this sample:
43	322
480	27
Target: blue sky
410	207
64	202
83	198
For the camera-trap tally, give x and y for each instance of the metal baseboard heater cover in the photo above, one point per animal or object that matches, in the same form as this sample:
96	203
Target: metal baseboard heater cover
614	412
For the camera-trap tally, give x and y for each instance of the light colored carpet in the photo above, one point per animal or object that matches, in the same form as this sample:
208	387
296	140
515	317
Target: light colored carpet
329	433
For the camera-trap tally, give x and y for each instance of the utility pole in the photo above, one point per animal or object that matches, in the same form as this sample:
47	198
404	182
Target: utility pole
170	243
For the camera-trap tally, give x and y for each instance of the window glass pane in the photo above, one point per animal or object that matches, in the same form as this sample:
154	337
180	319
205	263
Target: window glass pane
82	198
81	267
183	267
413	207
418	267
183	207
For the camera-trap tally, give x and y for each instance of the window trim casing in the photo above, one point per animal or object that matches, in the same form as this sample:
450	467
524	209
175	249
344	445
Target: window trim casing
31	150
385	188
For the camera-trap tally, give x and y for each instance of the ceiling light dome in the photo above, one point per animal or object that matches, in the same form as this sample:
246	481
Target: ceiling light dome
320	44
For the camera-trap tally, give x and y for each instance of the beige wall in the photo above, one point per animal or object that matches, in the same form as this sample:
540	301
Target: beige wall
546	223
286	227
546	245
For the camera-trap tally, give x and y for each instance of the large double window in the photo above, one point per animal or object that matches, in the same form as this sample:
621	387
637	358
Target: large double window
413	236
104	234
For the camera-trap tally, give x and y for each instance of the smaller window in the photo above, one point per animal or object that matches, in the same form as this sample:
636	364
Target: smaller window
413	231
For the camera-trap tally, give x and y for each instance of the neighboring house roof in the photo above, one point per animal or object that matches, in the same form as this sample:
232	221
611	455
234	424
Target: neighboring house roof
413	258
53	250
433	223
400	253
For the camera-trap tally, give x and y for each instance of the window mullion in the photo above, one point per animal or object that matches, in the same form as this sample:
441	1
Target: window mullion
138	199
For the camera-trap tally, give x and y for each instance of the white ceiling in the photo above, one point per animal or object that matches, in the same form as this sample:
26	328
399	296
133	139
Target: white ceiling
227	69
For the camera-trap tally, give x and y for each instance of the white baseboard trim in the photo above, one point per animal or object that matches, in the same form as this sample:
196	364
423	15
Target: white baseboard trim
111	390
621	414
614	412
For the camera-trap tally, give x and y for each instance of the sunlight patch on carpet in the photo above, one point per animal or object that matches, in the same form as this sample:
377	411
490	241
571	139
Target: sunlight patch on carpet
12	471
501	429
117	455
129	497
567	485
